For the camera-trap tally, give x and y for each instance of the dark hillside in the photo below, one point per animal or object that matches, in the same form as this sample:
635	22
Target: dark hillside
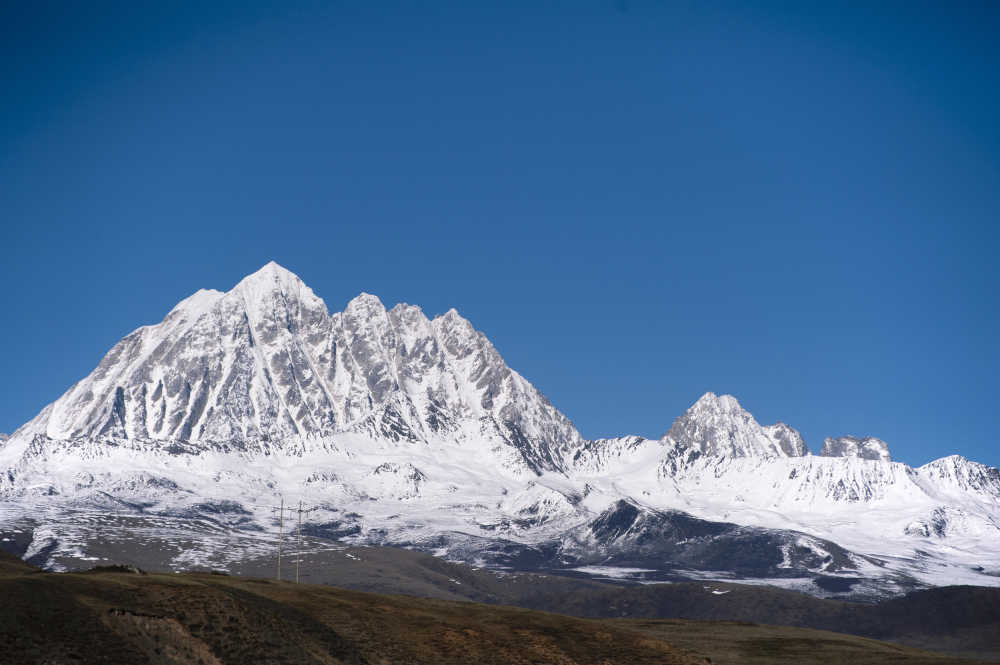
114	616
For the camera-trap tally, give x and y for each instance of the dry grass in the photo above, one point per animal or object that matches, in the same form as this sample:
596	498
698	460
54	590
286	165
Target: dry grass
728	642
123	618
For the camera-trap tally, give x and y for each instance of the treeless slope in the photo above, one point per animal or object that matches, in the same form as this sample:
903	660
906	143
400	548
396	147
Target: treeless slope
11	565
757	644
111	617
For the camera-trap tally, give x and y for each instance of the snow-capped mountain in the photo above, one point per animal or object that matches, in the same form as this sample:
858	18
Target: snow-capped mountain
266	362
720	426
395	428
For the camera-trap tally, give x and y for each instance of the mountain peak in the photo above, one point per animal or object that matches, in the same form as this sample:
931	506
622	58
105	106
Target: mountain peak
270	273
452	319
452	323
955	472
953	460
787	438
869	447
724	403
275	297
274	268
719	425
365	305
267	362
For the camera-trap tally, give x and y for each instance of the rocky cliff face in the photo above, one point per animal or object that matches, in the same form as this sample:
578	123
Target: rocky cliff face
851	446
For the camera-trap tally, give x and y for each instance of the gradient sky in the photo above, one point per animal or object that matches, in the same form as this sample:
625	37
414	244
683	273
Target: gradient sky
636	201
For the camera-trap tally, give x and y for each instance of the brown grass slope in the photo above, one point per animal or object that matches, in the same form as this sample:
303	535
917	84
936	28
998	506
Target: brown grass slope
960	620
756	644
122	618
117	617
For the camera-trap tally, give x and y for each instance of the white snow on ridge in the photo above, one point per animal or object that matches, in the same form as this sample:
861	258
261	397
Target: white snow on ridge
397	428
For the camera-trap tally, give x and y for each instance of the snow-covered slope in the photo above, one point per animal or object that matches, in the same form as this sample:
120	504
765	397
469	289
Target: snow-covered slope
394	428
957	478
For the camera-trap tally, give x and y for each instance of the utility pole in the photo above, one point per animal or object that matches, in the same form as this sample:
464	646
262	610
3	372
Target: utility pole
298	545
281	532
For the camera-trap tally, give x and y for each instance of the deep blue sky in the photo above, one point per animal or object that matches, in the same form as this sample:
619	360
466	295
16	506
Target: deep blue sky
636	201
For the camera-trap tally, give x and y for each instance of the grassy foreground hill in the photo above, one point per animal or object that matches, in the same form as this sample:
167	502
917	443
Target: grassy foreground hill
111	616
959	620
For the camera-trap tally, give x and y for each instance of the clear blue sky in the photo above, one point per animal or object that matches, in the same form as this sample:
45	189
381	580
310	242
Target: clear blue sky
636	201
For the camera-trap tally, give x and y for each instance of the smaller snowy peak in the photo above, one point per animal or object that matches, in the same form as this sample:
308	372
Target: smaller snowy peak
956	474
461	339
454	322
869	448
787	439
718	425
413	330
406	312
455	329
365	305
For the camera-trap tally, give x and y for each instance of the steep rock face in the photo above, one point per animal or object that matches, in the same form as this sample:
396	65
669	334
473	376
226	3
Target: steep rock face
266	361
787	439
718	425
868	448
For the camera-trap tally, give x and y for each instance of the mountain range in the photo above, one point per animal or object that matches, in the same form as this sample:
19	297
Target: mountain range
392	428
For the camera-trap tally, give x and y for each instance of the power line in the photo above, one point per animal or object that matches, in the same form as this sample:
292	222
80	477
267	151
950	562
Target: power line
298	545
281	533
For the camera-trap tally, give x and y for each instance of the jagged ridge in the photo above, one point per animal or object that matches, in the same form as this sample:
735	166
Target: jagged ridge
408	430
267	361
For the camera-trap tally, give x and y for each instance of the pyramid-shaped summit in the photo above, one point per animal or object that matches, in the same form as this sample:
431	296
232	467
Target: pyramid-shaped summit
266	361
719	425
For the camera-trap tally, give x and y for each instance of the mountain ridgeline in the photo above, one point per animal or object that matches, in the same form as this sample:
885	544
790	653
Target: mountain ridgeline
400	429
267	362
